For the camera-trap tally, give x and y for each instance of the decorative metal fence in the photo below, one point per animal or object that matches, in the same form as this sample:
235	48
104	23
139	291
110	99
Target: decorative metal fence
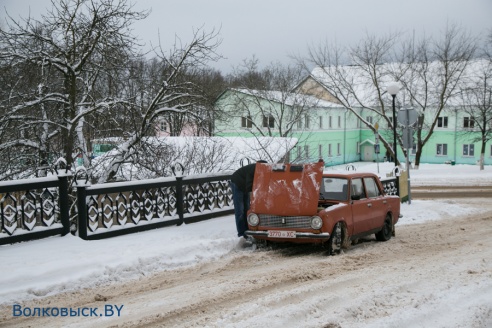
390	186
113	209
34	208
38	208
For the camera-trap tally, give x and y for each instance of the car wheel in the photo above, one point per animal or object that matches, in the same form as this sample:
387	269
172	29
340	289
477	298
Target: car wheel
387	231
264	244
336	240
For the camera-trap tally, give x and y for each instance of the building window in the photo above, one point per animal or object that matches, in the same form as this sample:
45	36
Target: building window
468	122
330	122
268	121
306	121
321	122
320	151
246	122
298	151
299	124
469	150
339	121
414	149
442	149
329	150
442	122
338	149
357	147
306	151
163	126
369	120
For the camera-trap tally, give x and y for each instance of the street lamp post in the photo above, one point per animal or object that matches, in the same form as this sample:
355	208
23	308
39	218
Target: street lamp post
393	89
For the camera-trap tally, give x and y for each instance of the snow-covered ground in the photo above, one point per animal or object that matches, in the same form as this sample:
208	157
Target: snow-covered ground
431	174
45	267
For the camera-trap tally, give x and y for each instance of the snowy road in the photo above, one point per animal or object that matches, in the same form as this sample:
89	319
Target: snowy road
436	274
445	192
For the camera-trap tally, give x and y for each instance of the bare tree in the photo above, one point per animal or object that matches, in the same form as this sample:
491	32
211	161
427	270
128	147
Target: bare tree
476	95
91	82
72	48
431	72
210	83
248	75
174	94
356	77
428	70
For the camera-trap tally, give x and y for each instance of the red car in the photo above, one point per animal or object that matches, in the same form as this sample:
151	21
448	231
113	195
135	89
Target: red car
302	204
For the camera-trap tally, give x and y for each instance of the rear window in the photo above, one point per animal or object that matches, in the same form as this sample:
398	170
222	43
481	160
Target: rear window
371	187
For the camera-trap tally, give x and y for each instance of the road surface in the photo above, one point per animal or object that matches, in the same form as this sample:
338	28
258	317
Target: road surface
436	274
440	192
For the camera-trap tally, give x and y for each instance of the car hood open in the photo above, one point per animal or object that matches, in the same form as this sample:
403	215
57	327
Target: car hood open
286	189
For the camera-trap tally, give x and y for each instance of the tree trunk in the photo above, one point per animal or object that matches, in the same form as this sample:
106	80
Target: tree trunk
482	155
417	157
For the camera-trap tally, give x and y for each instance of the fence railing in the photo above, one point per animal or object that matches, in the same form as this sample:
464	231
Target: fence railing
390	186
38	208
113	209
34	208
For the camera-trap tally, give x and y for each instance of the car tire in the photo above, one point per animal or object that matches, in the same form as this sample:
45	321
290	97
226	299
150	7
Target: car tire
387	230
336	239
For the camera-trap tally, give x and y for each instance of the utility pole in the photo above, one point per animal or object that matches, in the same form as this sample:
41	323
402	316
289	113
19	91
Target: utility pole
408	117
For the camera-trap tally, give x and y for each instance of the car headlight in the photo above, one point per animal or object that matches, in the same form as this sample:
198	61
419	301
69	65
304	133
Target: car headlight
253	219
316	222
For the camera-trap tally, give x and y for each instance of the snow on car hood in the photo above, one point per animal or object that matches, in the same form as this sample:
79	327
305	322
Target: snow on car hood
286	189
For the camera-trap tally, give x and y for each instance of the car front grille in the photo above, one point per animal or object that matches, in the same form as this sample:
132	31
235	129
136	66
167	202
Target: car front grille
302	222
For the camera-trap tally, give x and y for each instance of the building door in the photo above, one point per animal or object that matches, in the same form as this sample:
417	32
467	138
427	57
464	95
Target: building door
368	153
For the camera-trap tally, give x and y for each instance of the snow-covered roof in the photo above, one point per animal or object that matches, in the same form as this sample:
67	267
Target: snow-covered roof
358	87
290	98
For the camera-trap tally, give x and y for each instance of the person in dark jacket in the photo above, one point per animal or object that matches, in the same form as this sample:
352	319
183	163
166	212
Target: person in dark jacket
241	186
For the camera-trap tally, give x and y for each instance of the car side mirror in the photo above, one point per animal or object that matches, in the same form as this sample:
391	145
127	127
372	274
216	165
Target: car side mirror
355	197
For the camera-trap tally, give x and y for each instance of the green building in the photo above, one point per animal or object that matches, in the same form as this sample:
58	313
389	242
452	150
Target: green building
326	130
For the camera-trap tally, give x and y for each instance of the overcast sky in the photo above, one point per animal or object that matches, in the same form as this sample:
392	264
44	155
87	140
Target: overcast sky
274	29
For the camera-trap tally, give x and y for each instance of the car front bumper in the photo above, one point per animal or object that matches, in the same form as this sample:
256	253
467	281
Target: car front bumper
261	233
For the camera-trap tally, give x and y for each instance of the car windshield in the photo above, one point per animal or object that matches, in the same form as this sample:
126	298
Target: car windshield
334	188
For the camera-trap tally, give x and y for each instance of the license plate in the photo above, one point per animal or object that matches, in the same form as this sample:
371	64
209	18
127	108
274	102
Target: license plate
281	234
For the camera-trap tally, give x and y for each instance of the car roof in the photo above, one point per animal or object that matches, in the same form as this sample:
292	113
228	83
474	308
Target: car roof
348	175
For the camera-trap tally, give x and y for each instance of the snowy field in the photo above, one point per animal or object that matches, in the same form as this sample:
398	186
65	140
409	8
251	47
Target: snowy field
36	269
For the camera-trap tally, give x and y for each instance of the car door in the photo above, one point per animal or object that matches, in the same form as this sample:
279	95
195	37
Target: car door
376	203
361	207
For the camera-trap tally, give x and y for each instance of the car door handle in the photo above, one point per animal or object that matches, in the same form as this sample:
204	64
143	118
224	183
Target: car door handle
369	205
